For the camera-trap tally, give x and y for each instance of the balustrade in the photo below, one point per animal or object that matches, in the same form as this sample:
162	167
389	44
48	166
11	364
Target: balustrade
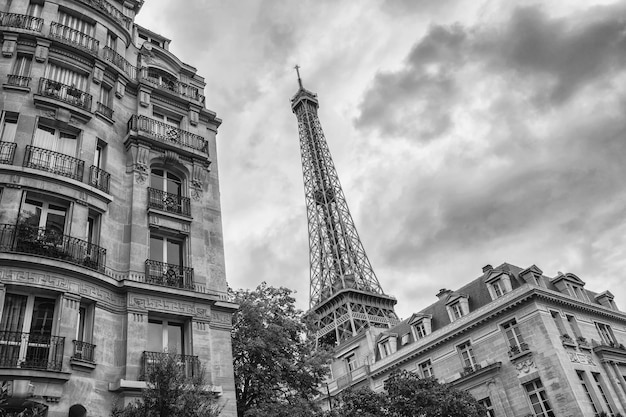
7	152
99	178
169	275
54	162
51	244
158	80
21	21
110	11
119	61
189	365
74	37
167	133
31	351
169	202
18	80
105	110
83	351
66	93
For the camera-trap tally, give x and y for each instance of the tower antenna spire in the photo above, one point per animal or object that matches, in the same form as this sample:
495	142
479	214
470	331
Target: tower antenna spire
345	296
297	67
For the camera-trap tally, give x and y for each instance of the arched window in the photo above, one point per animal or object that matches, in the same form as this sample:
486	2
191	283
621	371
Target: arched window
166	192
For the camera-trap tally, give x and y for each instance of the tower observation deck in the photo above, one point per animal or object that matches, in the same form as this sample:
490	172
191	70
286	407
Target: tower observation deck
345	295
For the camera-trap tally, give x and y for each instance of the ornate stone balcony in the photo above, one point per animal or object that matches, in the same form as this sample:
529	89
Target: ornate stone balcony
74	37
51	244
170	84
31	351
169	275
119	61
54	162
21	21
110	11
167	135
65	93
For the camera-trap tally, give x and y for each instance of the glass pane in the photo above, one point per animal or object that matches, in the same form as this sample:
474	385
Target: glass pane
155	337
8	131
156	248
156	179
13	313
31	212
173	184
174	252
175	338
80	329
55	222
43	312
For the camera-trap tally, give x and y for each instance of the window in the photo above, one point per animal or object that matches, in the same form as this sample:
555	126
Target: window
166	192
426	369
35	8
513	336
351	362
420	330
486	402
77	24
576	291
556	316
83	349
66	76
26	333
467	355
573	324
172	121
55	140
602	389
457	311
606	334
105	95
385	348
166	249
538	399
9	127
582	377
405	339
53	150
111	41
166	336
22	65
498	288
93	228
44	212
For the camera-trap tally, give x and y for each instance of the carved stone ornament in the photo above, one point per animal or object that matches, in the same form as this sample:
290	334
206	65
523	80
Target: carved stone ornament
41	53
140	163
525	367
8	48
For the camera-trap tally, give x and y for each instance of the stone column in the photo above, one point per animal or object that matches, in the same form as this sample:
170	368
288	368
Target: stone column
136	339
67	323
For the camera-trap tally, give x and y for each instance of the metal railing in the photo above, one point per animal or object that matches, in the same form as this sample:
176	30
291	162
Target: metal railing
110	11
119	61
188	364
156	78
54	162
18	80
31	351
74	37
83	351
167	133
66	93
99	178
172	203
51	244
21	21
169	275
7	152
105	110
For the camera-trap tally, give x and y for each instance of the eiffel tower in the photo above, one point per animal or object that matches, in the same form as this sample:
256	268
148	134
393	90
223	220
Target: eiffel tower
345	296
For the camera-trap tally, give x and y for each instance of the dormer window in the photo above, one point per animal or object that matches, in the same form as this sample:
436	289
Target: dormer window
576	291
457	306
420	325
351	362
387	346
498	283
606	299
572	285
532	275
405	339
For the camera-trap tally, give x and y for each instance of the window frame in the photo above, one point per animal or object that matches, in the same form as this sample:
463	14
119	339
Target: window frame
538	389
512	334
466	353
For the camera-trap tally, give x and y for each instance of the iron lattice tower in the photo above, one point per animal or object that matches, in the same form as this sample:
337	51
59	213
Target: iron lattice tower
345	295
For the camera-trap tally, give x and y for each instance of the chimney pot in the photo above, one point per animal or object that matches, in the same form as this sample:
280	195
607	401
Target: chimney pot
487	268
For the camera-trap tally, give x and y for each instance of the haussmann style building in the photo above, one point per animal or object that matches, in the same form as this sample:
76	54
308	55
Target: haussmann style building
111	250
521	343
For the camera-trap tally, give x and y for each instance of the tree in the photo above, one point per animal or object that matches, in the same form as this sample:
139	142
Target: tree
277	369
408	395
171	393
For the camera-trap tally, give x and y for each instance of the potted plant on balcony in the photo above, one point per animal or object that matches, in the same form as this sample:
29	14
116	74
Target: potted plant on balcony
52	88
567	340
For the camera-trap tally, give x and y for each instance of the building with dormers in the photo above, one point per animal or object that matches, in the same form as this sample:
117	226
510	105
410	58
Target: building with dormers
111	251
521	343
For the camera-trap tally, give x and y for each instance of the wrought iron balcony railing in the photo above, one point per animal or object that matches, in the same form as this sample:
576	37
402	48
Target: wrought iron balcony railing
7	152
54	162
83	351
99	178
74	37
119	61
51	244
18	80
31	351
105	110
169	275
189	365
65	93
171	84
169	202
166	133
110	11
21	21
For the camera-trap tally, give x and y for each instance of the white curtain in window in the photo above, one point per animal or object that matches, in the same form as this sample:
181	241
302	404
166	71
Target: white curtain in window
13	313
22	66
9	128
76	24
48	138
66	76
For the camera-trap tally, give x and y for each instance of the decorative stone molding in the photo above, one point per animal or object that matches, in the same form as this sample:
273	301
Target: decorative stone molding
525	367
98	73
168	306
582	358
141	157
120	88
41	52
8	45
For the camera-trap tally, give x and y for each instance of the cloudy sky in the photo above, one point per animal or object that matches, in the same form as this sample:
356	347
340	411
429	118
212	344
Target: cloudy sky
464	133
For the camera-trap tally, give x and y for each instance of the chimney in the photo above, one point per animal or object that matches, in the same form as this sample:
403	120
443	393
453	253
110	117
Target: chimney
442	293
487	268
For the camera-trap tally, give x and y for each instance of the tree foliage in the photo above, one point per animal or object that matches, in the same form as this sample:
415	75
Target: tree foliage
277	370
171	393
408	395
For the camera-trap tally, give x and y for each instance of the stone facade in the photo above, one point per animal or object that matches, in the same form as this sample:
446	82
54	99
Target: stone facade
524	344
111	249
